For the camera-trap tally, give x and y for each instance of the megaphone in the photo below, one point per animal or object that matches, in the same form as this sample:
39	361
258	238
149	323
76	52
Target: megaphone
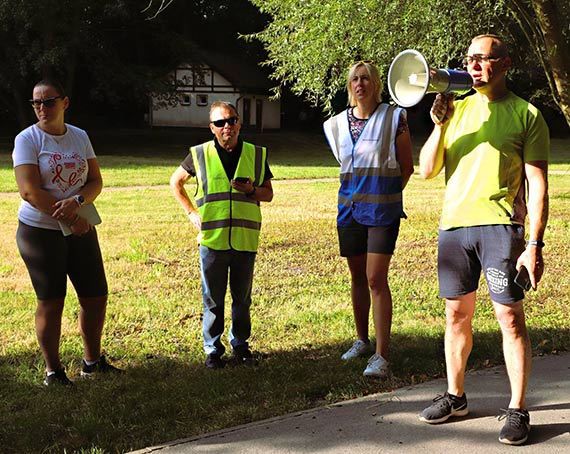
410	78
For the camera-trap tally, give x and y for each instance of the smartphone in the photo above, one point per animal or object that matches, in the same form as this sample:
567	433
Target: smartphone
242	179
522	279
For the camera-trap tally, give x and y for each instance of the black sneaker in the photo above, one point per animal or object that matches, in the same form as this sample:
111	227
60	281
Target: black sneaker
444	407
243	355
59	378
516	428
100	367
214	361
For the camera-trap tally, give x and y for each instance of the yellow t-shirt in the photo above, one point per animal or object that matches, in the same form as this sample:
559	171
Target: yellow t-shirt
486	146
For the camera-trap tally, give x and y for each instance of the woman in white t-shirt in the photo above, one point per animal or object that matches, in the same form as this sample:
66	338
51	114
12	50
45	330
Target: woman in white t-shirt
57	173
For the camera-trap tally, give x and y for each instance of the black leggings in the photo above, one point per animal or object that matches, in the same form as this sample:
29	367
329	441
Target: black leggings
50	257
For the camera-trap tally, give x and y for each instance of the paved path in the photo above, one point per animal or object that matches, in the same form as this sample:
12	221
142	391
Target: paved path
388	423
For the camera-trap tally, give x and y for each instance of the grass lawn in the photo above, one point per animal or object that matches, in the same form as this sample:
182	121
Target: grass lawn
302	320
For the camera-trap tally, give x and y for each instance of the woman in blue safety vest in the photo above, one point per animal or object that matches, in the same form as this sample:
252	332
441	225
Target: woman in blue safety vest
372	144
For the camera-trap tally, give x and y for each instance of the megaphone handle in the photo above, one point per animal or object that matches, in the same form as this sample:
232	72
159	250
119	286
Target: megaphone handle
442	108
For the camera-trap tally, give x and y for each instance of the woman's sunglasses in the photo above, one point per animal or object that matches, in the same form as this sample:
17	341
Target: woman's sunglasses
221	123
48	102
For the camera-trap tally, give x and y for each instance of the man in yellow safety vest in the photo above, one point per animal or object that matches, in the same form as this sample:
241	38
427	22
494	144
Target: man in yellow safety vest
233	176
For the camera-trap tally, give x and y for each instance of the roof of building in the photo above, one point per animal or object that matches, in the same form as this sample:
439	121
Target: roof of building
245	76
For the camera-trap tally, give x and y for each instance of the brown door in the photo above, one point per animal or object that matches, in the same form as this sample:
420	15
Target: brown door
259	114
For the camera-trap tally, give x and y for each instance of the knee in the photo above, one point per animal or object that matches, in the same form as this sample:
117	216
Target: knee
48	308
378	284
95	303
457	317
512	322
358	279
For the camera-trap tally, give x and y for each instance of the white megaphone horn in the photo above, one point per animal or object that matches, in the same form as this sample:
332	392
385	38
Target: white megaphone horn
410	78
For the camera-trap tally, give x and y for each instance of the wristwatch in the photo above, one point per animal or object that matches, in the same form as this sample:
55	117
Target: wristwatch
79	199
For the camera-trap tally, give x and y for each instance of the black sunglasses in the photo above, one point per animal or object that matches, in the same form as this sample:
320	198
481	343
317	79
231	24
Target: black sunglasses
221	123
48	102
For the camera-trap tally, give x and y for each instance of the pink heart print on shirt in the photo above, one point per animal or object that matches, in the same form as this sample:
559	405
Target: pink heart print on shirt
67	170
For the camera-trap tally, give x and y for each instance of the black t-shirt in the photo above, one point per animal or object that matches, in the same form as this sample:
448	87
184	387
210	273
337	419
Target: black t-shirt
229	161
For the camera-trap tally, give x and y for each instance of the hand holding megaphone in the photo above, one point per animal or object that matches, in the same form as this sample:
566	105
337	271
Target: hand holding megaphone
442	108
410	78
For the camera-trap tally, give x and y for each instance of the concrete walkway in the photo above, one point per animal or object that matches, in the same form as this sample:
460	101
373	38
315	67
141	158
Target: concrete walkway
388	422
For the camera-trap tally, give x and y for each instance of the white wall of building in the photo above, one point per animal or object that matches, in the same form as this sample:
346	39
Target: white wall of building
195	95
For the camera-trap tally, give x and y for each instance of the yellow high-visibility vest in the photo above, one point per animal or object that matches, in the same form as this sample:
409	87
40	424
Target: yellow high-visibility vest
230	219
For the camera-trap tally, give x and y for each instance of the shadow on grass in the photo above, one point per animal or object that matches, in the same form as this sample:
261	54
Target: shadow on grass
164	398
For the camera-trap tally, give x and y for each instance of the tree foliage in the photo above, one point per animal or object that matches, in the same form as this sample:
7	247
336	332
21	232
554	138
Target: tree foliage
106	45
108	53
311	43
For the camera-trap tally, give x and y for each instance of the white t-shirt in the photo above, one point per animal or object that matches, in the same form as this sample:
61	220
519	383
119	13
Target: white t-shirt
62	162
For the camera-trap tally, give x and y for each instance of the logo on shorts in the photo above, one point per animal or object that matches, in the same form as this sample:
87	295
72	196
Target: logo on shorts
496	280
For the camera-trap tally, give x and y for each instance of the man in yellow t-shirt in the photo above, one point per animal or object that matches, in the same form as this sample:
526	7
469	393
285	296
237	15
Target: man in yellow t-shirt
495	148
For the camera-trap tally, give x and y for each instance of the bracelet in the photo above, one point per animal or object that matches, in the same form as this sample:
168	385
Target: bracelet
252	193
536	243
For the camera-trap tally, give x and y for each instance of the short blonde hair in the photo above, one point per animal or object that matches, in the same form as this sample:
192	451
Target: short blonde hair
374	77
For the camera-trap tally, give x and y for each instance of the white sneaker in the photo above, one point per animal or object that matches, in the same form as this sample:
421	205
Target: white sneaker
377	367
359	348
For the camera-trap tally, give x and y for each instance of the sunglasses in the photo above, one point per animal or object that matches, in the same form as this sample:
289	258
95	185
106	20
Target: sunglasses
221	123
362	62
48	102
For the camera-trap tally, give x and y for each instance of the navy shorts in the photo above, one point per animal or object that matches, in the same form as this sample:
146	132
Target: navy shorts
357	239
494	249
50	257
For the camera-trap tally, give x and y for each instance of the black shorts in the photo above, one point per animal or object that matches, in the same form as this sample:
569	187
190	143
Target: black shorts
50	257
494	249
357	239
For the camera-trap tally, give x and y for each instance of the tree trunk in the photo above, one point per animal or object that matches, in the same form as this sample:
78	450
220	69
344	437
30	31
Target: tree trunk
556	52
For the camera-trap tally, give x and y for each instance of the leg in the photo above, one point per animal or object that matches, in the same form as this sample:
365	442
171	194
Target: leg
241	279
91	321
45	254
87	273
48	331
360	294
214	266
458	340
377	276
458	343
516	349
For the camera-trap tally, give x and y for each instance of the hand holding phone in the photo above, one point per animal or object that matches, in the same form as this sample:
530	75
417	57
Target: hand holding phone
242	179
522	279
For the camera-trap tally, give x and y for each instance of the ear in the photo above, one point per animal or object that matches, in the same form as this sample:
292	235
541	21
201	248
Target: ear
65	103
506	63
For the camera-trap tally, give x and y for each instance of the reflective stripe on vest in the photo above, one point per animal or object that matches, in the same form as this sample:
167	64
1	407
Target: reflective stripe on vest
230	219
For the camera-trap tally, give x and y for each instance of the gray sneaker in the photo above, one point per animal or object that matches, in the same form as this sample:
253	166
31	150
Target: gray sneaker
377	367
444	407
359	348
516	428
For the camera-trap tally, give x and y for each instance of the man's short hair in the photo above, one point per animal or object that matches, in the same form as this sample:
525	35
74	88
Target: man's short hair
498	45
223	104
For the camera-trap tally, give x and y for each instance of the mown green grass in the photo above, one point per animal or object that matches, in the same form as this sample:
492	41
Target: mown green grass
302	320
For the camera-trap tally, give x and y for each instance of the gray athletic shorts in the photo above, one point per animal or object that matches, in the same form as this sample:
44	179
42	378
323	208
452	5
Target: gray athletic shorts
494	249
357	239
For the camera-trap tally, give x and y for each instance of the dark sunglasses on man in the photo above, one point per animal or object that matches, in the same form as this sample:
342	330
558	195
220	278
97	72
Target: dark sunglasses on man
48	102
221	123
